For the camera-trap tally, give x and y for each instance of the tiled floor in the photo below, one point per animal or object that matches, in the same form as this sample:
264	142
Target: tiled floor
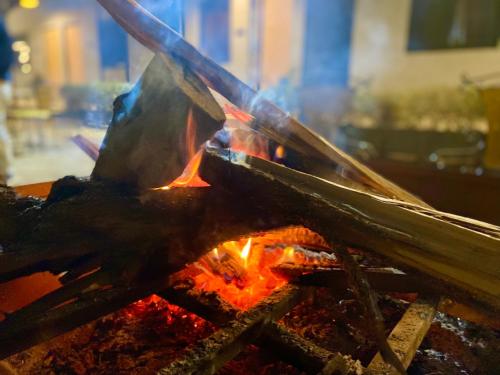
44	150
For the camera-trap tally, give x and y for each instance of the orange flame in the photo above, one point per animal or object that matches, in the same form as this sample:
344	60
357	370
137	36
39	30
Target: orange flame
191	127
238	114
246	251
190	177
241	271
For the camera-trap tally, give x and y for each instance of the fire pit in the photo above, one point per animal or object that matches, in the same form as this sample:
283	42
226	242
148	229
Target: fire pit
238	241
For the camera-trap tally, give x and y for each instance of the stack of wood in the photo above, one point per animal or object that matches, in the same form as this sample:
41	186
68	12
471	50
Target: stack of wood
116	237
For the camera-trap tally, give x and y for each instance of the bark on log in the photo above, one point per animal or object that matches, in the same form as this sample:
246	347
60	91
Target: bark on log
465	261
148	142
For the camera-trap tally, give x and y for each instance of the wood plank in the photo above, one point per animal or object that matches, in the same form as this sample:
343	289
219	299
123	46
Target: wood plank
407	336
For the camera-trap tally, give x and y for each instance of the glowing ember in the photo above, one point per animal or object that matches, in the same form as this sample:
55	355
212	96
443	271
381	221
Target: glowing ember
246	252
241	271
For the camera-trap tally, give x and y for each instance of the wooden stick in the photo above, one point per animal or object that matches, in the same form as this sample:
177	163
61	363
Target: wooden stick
288	345
159	37
211	354
369	301
304	354
406	337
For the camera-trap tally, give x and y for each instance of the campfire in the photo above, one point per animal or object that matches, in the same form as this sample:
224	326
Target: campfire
223	235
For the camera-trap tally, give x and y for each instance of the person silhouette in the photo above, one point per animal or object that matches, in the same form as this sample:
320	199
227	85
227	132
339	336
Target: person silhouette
6	59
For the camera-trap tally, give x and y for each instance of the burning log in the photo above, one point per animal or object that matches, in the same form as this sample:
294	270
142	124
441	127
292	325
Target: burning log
418	239
137	239
158	127
270	120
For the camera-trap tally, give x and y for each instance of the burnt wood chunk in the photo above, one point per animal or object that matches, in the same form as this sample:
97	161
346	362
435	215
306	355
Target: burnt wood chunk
149	142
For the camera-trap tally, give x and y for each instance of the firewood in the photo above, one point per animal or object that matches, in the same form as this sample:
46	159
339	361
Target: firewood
164	229
12	219
289	346
369	301
302	353
210	354
270	120
158	126
406	337
465	261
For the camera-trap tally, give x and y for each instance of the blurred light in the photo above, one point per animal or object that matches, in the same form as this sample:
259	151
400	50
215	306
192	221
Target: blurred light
19	45
29	4
24	57
26	68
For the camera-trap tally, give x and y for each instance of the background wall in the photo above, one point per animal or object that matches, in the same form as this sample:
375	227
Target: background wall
379	52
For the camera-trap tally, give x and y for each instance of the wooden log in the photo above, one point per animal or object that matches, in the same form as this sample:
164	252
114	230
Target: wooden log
382	280
276	338
164	229
158	127
209	355
13	217
208	305
464	260
303	354
270	120
407	336
385	281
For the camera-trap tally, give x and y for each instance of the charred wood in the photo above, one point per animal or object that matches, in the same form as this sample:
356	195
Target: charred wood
212	353
158	126
288	345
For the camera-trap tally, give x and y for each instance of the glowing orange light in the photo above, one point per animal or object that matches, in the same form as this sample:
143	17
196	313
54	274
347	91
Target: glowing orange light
238	114
288	254
246	251
215	251
190	177
280	152
241	272
29	4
